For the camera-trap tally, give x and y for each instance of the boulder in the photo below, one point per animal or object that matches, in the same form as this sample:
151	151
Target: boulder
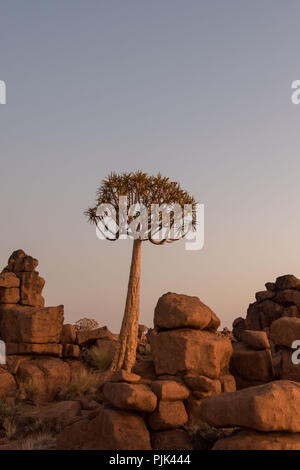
270	407
9	296
264	295
285	330
183	311
7	383
252	364
109	430
9	280
88	337
168	415
19	262
127	396
256	339
186	350
48	349
169	390
32	325
261	315
288	281
253	440
31	289
48	376
288	297
201	383
173	439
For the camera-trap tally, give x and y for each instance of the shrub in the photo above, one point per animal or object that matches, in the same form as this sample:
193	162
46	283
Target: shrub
83	383
96	358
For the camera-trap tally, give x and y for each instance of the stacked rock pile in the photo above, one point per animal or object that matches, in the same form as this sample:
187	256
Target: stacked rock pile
190	363
263	349
280	299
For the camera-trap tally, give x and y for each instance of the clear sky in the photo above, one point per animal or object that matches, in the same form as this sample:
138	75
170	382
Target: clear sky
199	90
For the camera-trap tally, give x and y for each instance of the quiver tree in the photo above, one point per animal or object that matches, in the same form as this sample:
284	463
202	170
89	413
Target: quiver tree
143	208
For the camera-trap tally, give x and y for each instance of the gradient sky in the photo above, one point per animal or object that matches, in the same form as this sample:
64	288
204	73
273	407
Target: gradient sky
199	90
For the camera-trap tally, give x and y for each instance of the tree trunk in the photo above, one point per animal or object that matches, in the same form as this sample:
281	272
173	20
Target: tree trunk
125	354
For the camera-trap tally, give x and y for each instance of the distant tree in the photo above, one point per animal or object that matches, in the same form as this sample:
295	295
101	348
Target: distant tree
86	324
143	191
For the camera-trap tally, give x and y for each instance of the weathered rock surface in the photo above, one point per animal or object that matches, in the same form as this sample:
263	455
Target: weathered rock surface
9	296
252	364
168	415
20	262
32	325
288	281
183	311
186	350
285	330
48	376
202	384
270	407
9	280
127	396
256	339
169	390
48	349
31	289
264	295
252	440
109	430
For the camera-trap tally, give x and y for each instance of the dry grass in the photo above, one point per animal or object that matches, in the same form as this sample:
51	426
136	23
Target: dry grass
27	390
9	414
97	358
10	428
81	384
41	441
